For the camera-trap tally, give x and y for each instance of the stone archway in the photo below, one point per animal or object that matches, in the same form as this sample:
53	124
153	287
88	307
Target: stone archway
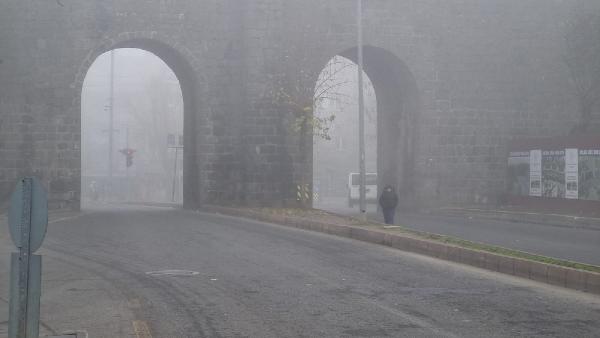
183	67
398	110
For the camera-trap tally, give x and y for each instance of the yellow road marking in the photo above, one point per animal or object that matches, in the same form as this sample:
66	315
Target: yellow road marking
141	329
134	303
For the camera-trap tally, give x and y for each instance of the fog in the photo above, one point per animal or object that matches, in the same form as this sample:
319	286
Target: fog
147	118
299	168
455	92
335	152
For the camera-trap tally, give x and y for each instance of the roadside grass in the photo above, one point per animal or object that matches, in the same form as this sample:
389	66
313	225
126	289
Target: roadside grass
506	252
328	217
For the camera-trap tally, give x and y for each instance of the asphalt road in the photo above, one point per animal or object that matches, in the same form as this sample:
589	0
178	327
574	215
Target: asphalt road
260	280
575	244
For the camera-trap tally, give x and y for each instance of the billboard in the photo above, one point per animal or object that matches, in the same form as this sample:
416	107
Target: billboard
589	174
535	173
553	173
555	168
571	173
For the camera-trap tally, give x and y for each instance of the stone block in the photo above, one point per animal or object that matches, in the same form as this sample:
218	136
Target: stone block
315	226
467	257
522	268
480	259
438	250
420	247
556	275
592	283
491	261
539	272
453	254
339	230
400	243
575	279
387	239
368	235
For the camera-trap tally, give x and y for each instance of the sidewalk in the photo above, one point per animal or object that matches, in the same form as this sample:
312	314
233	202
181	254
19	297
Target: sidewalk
68	290
6	248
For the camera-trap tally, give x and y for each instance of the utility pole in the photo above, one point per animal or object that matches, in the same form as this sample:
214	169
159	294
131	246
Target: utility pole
175	175
126	166
361	114
111	119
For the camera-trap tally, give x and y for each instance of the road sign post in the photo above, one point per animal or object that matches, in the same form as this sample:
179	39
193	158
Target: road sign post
28	221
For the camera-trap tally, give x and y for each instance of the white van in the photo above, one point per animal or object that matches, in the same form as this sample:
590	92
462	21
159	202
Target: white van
354	188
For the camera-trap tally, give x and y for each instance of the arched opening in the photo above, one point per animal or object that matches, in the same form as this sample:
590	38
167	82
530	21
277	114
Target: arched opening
133	107
392	106
335	148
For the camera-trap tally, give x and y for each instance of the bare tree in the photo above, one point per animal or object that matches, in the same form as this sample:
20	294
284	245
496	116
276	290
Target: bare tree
300	100
295	90
583	61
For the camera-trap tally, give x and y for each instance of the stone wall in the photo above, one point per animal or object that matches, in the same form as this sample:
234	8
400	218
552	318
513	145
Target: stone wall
470	76
486	73
47	49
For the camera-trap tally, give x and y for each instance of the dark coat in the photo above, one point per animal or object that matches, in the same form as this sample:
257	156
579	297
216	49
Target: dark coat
388	199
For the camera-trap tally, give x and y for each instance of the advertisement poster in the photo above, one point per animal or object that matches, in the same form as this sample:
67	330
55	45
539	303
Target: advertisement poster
572	173
553	173
535	173
589	174
518	173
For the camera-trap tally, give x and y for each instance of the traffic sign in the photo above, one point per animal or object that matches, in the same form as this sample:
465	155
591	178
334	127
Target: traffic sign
28	204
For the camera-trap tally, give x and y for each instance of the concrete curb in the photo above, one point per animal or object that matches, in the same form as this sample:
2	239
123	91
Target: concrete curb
570	278
521	217
71	334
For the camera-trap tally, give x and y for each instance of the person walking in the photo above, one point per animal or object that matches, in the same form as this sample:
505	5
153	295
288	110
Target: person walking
388	202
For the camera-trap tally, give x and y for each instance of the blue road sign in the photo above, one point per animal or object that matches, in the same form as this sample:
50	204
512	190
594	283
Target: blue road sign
29	198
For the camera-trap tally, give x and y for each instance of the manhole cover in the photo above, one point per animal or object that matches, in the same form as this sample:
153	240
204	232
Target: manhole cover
182	273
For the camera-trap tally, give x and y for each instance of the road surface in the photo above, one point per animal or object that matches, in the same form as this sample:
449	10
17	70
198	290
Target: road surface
258	280
575	244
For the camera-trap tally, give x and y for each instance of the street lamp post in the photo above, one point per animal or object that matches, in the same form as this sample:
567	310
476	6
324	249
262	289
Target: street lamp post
361	114
111	116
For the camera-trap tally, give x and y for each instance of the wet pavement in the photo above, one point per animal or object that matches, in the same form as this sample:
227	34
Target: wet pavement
175	273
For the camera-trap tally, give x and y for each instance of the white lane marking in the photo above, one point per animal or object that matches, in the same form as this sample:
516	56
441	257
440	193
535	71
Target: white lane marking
182	273
66	218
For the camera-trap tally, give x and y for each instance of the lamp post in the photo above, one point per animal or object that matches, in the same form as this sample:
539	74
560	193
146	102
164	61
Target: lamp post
361	114
111	115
